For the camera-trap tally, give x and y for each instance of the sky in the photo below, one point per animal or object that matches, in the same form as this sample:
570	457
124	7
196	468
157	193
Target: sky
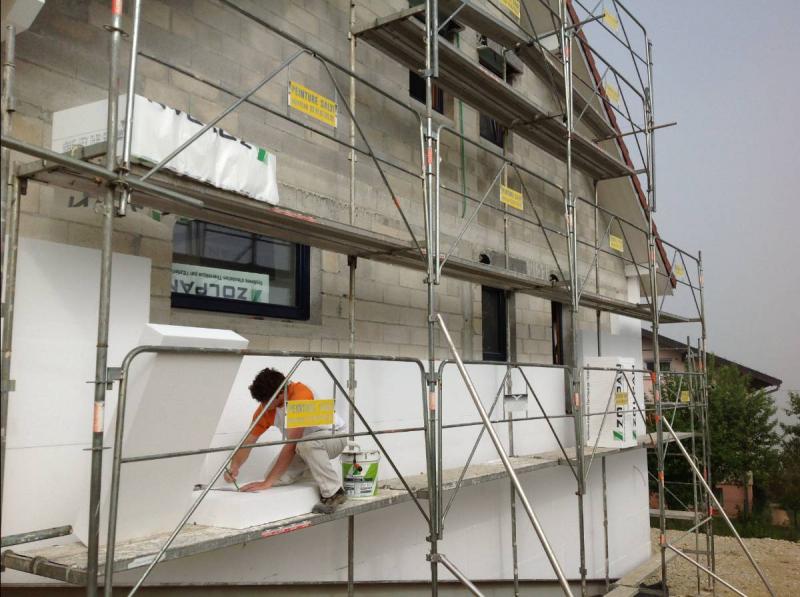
728	175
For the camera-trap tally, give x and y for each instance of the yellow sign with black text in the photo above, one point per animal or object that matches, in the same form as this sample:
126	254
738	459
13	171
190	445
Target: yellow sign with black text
307	101
611	20
615	242
686	396
510	197
513	6
309	413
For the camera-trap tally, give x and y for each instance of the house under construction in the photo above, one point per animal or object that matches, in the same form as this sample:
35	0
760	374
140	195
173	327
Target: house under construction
438	214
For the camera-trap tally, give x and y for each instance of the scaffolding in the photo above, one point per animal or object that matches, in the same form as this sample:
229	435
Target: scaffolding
412	38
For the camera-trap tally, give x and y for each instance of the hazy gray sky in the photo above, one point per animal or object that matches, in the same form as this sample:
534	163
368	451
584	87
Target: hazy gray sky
729	173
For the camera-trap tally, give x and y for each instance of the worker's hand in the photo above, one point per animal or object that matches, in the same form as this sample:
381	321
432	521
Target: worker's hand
256	486
231	473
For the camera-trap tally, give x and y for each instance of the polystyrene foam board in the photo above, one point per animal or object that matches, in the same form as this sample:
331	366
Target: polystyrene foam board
55	337
50	413
174	404
241	510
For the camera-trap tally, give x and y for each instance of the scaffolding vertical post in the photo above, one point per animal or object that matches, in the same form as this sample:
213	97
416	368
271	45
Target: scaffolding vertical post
429	160
597	270
127	139
703	360
605	523
695	497
10	205
101	357
566	33
352	262
653	272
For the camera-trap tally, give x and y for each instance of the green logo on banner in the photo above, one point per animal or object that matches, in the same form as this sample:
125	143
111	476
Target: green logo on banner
618	435
263	154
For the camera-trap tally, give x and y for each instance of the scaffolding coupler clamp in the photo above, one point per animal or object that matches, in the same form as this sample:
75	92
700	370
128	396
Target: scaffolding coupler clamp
112	374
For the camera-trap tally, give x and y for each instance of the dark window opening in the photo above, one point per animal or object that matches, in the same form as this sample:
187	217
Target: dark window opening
416	89
493	307
491	129
664	365
557	322
216	268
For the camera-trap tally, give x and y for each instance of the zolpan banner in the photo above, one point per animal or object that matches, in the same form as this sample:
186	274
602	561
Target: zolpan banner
214	282
217	158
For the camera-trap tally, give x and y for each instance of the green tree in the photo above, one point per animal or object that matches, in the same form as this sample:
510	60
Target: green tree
743	432
785	488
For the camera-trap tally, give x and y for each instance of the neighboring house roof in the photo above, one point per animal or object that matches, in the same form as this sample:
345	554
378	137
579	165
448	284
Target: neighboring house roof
758	380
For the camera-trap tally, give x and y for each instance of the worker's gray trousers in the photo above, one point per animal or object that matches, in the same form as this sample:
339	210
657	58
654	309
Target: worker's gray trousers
313	458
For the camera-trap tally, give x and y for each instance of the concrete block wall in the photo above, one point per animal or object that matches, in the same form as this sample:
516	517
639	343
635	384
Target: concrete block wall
62	62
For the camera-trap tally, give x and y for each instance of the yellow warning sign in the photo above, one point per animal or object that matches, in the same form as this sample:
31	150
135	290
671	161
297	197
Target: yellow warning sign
310	102
611	20
510	197
678	270
686	396
513	6
615	242
309	413
611	92
621	399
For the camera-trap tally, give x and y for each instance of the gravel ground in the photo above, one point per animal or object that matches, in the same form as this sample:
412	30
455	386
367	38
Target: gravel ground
780	561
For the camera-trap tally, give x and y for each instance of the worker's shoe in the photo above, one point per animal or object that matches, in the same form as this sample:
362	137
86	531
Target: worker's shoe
327	505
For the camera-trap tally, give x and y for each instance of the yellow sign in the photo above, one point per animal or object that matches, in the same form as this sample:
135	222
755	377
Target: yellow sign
309	413
679	271
512	5
310	102
621	399
510	197
686	396
611	20
615	242
611	92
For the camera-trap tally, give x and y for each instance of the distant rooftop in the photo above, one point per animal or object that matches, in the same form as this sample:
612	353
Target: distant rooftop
758	379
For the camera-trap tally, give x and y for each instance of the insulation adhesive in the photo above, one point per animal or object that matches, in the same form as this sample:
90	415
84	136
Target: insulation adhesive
360	471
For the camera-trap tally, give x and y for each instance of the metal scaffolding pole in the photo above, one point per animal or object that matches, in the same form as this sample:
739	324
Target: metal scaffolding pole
653	272
567	33
703	361
429	161
352	262
104	309
10	205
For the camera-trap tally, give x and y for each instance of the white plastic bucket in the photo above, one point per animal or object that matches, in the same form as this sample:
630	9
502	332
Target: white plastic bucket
360	471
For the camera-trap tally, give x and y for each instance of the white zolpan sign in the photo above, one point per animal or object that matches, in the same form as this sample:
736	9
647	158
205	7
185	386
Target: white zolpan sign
215	282
217	158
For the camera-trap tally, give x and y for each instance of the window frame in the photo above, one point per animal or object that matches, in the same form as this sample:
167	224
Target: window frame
301	310
501	315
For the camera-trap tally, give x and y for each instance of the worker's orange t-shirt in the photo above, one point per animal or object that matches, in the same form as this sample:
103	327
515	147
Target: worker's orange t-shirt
294	391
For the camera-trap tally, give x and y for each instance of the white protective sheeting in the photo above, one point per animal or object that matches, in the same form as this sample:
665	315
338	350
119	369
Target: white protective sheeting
217	157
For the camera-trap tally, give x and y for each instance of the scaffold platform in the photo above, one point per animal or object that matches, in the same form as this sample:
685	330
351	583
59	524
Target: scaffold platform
67	562
241	212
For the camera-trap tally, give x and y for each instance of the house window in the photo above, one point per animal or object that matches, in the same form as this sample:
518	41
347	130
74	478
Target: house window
416	89
664	365
557	324
493	303
221	269
490	129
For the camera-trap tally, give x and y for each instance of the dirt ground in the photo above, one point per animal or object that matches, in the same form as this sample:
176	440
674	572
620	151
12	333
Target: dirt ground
780	561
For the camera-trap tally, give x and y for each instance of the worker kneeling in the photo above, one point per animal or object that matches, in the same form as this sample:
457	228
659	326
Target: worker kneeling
294	459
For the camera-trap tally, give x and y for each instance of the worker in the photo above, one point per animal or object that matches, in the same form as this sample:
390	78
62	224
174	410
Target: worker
295	460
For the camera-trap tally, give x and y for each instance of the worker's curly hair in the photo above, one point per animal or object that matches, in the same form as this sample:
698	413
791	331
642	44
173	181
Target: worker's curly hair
265	384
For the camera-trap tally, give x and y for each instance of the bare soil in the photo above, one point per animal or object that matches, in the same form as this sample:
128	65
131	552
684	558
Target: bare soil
780	561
